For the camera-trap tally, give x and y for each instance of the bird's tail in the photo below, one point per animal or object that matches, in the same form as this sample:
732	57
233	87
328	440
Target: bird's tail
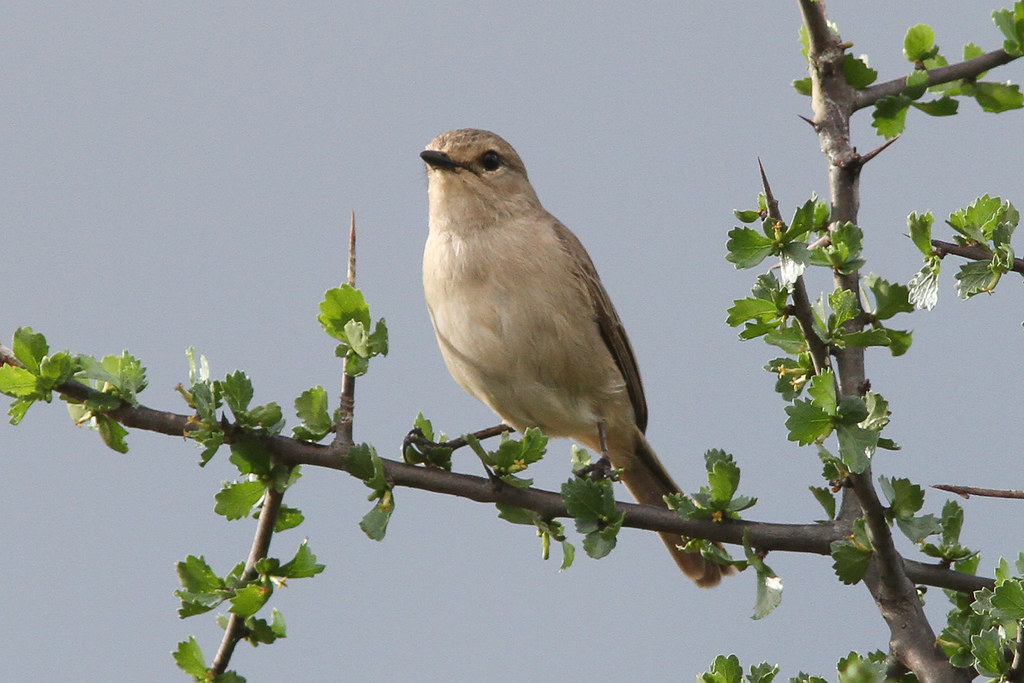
646	478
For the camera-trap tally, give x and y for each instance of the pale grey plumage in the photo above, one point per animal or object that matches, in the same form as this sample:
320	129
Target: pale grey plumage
523	321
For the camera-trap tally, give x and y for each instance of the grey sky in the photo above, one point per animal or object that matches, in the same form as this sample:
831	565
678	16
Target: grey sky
180	175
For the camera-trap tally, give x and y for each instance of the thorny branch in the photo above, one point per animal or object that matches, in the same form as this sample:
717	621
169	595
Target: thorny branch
833	101
802	538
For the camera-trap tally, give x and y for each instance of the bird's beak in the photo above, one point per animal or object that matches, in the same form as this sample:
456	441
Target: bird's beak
439	160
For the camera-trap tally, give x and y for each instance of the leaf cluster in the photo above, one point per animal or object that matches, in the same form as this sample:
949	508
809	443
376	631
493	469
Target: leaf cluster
345	316
203	590
117	379
984	630
919	47
987	224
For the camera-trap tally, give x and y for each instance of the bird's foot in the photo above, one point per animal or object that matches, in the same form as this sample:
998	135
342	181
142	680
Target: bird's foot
599	469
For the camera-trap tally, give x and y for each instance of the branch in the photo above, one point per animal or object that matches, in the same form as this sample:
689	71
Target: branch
973	252
802	538
833	100
968	491
343	425
801	302
969	69
236	629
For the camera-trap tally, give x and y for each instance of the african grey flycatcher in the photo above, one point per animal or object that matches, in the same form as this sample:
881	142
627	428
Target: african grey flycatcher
523	321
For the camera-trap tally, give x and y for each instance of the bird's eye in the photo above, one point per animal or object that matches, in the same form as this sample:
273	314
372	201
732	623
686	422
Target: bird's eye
490	160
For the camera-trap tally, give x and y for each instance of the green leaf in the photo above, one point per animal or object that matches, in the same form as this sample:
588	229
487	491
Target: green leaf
998	97
747	247
112	433
723	475
30	348
890	298
250	599
807	422
890	116
917	84
1011	25
341	305
236	390
988	650
919	43
874	337
588	500
826	499
857	72
19	383
844	308
375	522
234	501
877	411
250	456
803	85
924	286
944	106
743	310
311	407
975	277
723	670
599	543
748	216
762	673
918	528
856	669
769	585
1008	601
189	658
288	518
823	390
259	631
899	341
856	446
303	565
852	554
920	227
905	498
516	515
197	577
123	374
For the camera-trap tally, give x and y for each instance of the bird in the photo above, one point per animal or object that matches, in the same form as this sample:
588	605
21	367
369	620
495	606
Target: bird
523	322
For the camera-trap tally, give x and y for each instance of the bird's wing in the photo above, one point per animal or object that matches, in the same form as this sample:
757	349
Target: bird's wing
612	331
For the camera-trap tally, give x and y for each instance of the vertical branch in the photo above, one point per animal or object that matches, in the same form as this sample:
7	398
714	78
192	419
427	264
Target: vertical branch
343	433
801	303
833	101
236	628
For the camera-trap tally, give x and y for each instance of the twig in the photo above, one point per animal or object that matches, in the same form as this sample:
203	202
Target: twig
973	252
416	437
968	491
833	101
877	150
343	428
968	69
236	628
801	302
801	538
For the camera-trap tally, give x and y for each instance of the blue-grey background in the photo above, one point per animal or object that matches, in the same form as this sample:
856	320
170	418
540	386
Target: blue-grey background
181	174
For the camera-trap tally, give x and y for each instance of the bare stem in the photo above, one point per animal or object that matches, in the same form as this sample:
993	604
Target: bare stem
346	412
968	491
